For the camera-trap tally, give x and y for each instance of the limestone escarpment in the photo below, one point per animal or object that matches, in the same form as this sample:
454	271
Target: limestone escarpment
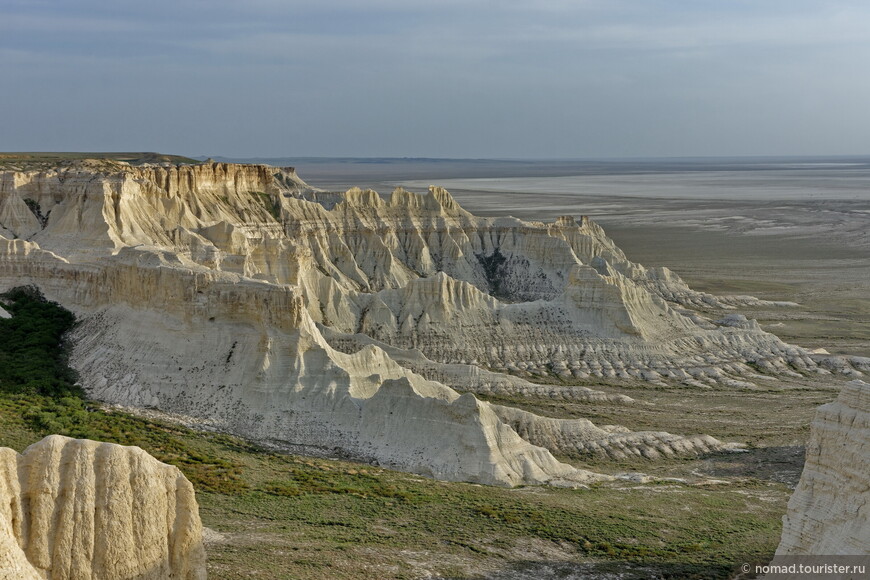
89	510
829	512
246	356
418	272
283	385
339	323
556	298
79	212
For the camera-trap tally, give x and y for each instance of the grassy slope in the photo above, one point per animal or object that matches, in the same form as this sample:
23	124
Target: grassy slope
293	517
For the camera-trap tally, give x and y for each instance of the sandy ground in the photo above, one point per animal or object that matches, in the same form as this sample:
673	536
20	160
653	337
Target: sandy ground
830	280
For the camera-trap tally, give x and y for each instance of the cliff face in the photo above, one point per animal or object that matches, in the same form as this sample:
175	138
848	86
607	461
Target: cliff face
419	272
829	513
78	509
404	270
339	321
83	212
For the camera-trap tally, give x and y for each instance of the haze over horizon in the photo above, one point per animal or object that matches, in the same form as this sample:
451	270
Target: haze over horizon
472	79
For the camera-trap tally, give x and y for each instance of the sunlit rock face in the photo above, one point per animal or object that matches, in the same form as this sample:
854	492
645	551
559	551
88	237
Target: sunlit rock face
340	323
85	510
829	513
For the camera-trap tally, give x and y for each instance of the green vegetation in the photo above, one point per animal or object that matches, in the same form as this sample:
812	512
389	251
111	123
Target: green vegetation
272	205
297	517
40	394
35	416
284	516
33	357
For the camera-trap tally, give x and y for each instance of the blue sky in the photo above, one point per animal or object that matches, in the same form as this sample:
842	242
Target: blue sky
471	78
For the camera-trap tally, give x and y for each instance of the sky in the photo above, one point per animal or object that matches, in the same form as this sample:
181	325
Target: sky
448	78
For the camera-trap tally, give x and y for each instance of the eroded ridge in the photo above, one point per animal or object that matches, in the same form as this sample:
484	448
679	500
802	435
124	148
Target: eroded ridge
340	323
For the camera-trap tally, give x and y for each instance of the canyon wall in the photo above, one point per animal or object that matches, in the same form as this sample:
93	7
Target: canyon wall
350	324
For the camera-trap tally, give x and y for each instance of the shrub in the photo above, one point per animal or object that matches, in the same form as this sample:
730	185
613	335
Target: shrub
33	353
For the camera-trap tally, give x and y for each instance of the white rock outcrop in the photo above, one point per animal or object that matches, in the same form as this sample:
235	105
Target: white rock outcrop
79	509
412	271
829	512
339	323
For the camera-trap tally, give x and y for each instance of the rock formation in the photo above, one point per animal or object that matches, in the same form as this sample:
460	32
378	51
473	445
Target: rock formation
79	509
345	323
829	513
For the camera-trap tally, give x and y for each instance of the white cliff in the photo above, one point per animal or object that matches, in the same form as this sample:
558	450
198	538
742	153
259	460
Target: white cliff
79	509
338	323
411	271
829	512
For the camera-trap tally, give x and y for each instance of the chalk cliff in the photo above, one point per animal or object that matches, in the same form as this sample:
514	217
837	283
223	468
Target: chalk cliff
79	509
345	323
829	513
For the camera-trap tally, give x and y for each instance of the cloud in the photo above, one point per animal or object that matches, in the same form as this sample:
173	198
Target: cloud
476	77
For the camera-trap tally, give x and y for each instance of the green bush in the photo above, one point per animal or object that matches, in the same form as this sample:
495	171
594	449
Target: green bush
33	354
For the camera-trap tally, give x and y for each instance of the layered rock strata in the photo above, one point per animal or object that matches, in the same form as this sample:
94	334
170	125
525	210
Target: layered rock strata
412	271
337	323
79	509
